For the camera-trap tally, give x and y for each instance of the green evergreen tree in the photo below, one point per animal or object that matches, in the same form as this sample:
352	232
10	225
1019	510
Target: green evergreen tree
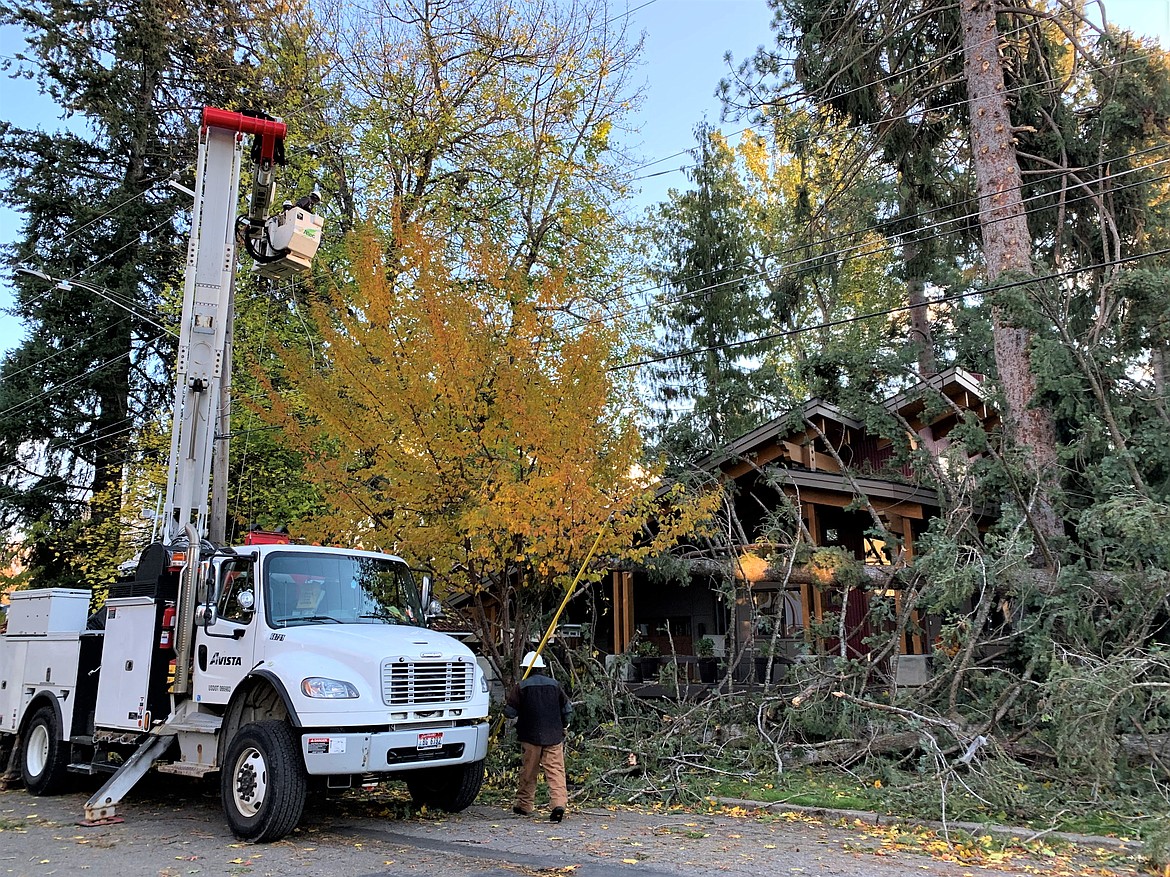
1084	110
707	391
96	209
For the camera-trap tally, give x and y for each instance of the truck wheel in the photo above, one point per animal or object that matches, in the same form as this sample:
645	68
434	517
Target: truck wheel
43	760
262	782
449	788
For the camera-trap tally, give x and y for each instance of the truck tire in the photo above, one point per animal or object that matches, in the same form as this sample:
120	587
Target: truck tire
263	782
43	757
448	788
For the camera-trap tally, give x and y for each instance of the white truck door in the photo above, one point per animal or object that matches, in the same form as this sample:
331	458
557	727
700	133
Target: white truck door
224	651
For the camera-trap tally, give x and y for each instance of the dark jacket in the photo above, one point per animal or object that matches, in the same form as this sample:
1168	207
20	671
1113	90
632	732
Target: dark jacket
541	709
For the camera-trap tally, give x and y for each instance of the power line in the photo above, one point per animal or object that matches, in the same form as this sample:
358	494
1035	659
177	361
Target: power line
90	287
109	212
625	14
861	126
937	232
1055	173
45	359
843	321
796	98
839	255
50	391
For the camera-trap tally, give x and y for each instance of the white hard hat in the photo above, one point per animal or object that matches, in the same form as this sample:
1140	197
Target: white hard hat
532	660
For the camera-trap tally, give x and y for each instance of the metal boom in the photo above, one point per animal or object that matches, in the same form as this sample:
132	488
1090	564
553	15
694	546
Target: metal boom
207	290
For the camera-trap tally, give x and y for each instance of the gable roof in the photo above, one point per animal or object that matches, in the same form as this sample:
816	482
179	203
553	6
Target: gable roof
956	383
774	429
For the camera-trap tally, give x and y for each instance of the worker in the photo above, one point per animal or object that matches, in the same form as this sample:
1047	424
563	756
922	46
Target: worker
309	202
542	712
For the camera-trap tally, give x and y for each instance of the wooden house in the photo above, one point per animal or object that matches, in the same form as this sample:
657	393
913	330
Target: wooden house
822	467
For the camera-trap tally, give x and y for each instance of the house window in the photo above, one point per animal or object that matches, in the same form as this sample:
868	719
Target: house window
778	609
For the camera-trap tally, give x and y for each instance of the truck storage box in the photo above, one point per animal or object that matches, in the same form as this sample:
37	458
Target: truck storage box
49	610
12	655
131	665
46	663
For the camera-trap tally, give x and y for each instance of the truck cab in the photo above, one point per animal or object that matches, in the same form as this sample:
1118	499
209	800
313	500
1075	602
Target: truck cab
340	634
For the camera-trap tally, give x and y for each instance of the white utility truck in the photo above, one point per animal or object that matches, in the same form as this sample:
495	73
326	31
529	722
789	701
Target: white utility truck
285	668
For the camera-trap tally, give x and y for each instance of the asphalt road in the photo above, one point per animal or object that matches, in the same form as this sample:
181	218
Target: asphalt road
174	827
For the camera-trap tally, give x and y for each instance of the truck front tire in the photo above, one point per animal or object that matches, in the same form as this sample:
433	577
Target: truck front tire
43	760
448	788
263	782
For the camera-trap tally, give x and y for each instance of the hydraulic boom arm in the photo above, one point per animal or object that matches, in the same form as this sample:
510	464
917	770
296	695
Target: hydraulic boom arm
282	246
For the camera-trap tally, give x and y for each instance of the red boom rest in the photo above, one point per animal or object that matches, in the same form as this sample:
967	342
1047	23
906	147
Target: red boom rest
268	130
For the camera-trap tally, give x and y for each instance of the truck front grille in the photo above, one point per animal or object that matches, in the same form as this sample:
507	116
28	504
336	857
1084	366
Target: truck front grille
408	684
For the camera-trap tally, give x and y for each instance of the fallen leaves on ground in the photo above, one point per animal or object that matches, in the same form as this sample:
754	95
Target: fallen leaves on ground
985	852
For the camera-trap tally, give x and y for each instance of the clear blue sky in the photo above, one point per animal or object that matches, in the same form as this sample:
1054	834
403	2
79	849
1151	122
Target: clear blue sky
685	41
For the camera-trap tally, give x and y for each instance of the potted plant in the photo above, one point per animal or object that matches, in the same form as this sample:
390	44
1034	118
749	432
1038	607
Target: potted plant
646	656
708	663
766	660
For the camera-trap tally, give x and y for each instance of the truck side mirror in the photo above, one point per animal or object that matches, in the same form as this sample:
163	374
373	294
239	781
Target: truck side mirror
205	590
205	611
434	609
425	591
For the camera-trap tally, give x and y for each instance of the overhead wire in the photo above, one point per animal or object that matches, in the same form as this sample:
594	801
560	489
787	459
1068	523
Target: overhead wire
46	359
45	481
800	97
890	177
102	293
838	256
861	126
875	251
50	391
931	233
869	315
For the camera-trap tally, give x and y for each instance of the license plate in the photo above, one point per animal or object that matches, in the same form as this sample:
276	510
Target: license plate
432	740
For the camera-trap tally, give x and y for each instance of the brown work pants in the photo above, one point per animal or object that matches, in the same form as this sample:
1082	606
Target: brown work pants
550	759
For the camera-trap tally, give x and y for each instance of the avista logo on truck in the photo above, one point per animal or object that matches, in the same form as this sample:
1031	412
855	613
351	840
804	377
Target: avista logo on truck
326	644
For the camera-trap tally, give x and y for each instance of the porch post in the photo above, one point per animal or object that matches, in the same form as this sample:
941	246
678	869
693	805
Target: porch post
623	610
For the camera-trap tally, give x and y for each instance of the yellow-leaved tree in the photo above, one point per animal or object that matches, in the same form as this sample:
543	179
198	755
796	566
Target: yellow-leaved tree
453	415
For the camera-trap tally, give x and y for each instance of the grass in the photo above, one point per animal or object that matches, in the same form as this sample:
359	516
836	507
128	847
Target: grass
806	789
1040	805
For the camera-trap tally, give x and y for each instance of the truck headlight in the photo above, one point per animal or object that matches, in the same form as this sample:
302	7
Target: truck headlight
319	686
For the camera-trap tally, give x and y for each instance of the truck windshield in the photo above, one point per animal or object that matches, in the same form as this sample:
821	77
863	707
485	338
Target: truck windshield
302	588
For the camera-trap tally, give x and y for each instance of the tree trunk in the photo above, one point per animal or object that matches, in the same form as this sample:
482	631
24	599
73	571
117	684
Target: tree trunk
848	751
913	258
1007	247
921	335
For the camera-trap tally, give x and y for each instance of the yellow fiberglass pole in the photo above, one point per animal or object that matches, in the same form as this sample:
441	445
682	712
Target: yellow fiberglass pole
568	594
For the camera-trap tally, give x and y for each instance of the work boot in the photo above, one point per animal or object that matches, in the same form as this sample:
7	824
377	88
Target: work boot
520	811
558	813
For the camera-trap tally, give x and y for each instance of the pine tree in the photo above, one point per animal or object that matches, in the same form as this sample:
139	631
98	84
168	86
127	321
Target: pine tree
706	392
